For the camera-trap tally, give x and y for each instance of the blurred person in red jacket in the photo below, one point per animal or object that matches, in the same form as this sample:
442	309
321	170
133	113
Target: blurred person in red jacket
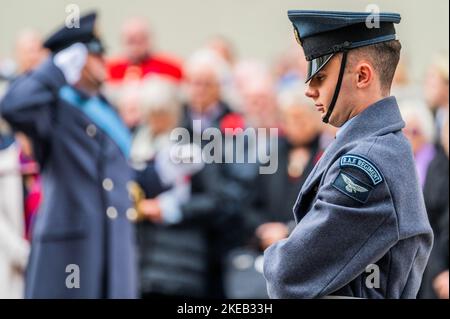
139	58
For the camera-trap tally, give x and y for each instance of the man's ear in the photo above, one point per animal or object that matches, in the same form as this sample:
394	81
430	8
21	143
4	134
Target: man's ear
365	75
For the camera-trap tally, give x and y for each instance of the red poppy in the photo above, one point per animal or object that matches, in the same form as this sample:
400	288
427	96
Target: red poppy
232	121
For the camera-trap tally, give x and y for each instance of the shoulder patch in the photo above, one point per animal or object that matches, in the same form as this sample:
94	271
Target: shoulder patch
351	160
352	187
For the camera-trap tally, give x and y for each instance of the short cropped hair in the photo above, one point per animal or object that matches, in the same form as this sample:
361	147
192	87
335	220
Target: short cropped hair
384	57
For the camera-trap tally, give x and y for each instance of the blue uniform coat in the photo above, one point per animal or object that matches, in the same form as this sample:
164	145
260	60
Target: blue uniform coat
81	145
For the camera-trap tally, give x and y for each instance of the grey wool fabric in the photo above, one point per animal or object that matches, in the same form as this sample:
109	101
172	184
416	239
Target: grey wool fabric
362	228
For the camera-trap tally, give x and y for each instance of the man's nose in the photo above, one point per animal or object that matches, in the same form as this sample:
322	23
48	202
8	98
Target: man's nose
311	92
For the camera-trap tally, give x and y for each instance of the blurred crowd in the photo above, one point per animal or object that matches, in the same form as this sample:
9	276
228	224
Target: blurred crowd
205	235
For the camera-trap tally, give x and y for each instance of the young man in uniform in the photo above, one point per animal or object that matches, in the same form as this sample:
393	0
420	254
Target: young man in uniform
362	229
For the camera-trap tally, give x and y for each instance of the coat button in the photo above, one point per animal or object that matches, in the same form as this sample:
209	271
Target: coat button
132	214
91	130
111	212
108	184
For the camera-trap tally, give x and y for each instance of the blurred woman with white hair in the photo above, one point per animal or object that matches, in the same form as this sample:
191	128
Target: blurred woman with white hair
159	107
172	256
431	161
432	170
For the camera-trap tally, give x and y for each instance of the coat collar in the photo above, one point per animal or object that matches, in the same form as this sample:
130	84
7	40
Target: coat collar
380	118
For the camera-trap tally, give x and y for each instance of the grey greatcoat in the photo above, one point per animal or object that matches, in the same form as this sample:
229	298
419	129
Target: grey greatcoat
362	229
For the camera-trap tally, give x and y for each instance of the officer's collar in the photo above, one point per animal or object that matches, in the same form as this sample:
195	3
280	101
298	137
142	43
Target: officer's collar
343	127
380	118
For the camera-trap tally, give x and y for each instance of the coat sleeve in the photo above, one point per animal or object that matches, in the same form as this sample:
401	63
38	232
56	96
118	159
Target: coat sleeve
205	197
149	180
333	244
28	107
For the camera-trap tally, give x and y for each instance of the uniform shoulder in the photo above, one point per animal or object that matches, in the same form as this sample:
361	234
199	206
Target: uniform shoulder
390	148
378	148
389	155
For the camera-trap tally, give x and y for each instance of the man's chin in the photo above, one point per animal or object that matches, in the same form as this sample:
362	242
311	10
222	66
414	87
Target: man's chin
321	109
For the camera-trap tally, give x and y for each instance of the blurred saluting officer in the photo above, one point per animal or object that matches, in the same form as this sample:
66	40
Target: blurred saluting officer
82	243
362	229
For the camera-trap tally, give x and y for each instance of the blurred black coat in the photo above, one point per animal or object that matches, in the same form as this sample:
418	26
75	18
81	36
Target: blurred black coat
436	188
440	253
